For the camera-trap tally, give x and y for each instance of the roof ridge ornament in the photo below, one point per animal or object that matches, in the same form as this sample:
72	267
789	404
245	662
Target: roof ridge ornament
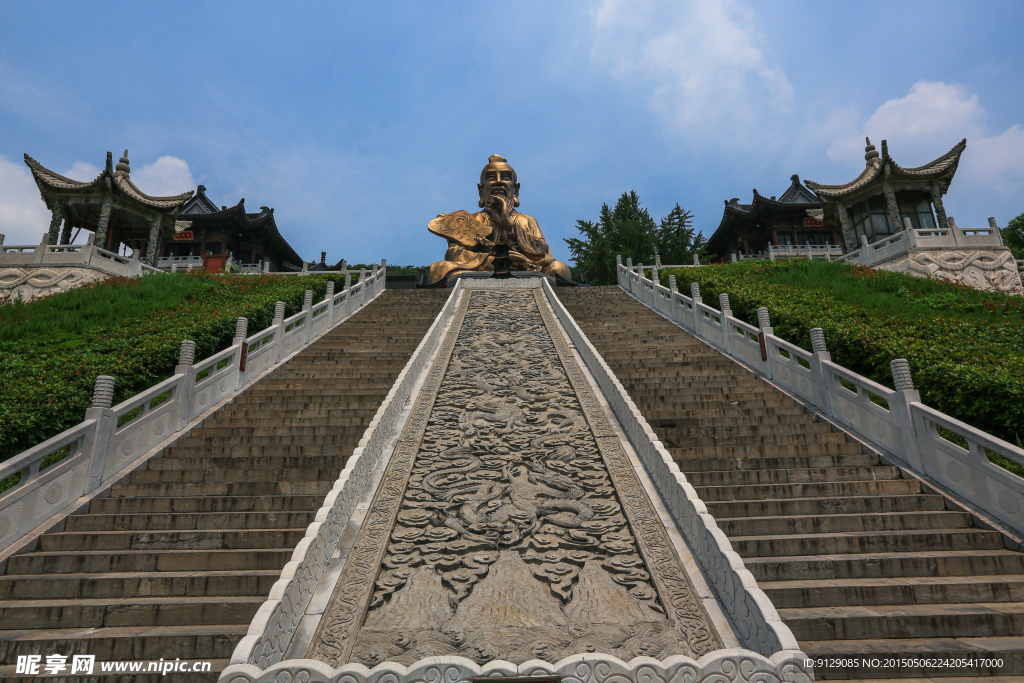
870	152
122	164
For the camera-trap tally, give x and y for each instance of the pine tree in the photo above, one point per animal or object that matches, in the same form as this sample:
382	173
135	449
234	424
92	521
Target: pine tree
629	231
1013	236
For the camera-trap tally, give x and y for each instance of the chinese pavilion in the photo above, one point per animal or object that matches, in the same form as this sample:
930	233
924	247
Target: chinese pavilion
203	228
795	218
110	206
875	203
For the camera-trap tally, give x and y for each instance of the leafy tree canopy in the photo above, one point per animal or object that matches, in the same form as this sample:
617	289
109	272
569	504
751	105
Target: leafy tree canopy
628	230
1013	236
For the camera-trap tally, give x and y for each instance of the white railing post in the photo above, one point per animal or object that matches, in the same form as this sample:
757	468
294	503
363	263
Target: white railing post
723	303
186	368
675	305
348	295
102	399
618	268
695	295
765	323
241	332
820	354
899	408
136	264
307	309
629	275
329	298
278	324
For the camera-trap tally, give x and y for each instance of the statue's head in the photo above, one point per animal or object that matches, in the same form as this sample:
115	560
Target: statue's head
498	178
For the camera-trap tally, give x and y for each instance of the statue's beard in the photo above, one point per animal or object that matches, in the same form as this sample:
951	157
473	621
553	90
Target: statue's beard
510	199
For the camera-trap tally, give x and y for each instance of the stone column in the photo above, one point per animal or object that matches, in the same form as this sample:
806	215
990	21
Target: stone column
154	239
940	210
849	238
892	206
104	223
58	215
65	234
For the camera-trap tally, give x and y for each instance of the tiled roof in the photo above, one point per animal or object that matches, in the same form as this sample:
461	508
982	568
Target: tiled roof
945	165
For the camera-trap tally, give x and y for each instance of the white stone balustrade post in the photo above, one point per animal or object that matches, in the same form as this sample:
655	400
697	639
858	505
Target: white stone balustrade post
278	324
307	310
241	332
765	323
618	269
899	409
723	303
187	370
329	298
695	295
995	230
102	399
820	354
348	295
674	308
696	260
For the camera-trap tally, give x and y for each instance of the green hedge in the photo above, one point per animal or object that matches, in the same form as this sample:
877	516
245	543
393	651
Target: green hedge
965	347
51	350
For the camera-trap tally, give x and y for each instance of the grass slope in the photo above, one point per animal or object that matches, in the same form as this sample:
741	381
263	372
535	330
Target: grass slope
51	350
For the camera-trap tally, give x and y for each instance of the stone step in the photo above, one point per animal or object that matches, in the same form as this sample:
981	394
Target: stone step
749	451
178	504
849	505
859	459
184	521
792	476
682	433
216	641
191	539
855	523
887	565
95	561
840	489
129	611
265	462
904	590
144	584
232	449
227	488
213	475
977	658
866	542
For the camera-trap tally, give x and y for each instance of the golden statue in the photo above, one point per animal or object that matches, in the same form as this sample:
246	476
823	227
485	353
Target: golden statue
475	239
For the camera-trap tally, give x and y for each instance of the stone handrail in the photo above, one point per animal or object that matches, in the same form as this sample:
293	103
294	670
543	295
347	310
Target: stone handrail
271	630
61	255
947	238
112	441
893	421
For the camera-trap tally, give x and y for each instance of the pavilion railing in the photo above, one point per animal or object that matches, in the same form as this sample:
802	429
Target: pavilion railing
930	443
63	255
61	474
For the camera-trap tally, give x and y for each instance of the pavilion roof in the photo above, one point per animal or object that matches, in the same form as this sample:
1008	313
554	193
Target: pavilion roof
877	165
51	182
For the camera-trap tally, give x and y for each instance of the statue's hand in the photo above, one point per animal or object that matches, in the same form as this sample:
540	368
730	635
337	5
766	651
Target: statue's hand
497	207
483	241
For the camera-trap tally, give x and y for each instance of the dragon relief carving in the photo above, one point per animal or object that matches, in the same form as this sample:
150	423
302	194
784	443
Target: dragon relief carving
511	541
986	270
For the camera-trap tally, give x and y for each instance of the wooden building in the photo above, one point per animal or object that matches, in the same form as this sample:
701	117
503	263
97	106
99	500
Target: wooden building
203	229
874	205
794	219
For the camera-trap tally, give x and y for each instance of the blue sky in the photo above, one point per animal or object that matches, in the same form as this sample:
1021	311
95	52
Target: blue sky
359	122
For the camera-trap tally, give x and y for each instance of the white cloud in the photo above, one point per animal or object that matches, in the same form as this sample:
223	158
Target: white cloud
165	177
23	216
929	120
700	58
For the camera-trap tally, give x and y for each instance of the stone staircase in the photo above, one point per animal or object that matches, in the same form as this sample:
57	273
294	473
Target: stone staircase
176	561
860	561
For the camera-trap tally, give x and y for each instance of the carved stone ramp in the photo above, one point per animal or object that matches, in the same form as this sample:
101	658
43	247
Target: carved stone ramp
176	561
863	564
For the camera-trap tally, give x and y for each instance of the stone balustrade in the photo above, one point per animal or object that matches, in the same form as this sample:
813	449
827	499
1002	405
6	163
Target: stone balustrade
113	440
893	421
